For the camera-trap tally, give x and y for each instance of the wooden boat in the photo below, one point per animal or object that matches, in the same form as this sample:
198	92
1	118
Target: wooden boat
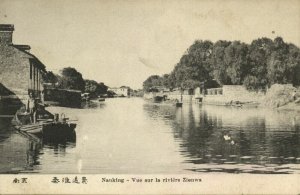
101	99
36	128
158	98
47	127
178	104
243	104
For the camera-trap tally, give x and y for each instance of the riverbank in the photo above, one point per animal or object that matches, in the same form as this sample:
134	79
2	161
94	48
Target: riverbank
293	106
283	97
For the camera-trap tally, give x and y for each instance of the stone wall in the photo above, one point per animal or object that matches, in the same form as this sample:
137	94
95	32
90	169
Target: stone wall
235	93
185	98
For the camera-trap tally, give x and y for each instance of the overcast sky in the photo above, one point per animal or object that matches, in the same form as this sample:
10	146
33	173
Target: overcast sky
124	42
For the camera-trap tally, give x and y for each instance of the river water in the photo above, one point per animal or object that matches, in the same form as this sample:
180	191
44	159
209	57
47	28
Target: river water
131	135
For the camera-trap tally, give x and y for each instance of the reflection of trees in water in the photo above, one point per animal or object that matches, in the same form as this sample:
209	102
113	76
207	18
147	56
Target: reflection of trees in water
202	129
92	104
198	137
162	112
255	133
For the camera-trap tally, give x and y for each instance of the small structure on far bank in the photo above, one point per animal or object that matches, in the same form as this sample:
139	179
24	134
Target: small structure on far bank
122	91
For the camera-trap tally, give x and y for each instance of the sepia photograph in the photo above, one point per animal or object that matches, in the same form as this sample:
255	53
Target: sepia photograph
190	92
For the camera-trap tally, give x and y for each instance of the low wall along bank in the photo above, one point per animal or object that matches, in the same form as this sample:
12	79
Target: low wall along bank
234	93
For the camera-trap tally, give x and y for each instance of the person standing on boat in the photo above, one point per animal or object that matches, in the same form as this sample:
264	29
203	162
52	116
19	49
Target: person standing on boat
42	96
31	107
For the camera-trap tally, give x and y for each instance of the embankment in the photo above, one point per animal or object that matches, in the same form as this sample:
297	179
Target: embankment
283	97
233	93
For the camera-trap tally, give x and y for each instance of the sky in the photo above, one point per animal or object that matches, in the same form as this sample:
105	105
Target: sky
124	42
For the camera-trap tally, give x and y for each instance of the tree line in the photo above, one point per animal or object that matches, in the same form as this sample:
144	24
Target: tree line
256	66
70	78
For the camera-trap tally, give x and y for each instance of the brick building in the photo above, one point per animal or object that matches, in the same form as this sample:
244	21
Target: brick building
20	71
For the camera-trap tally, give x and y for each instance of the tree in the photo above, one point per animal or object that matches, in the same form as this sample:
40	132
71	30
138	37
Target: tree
71	79
195	64
190	84
101	88
152	81
294	64
50	77
95	89
257	66
91	87
258	54
236	62
218	64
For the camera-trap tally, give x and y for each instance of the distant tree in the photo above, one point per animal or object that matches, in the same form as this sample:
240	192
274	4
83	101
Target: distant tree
236	62
165	80
195	64
91	87
294	64
258	54
171	80
190	84
252	83
50	77
95	89
71	79
110	93
256	65
151	82
101	88
218	64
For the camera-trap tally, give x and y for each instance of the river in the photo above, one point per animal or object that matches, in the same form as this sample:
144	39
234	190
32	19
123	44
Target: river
131	135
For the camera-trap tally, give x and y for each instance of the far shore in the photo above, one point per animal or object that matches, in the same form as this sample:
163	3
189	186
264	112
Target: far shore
292	106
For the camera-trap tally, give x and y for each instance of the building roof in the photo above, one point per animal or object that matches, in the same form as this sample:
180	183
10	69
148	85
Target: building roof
7	27
23	47
30	55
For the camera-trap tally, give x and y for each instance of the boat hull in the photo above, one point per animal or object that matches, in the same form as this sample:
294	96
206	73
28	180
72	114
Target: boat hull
101	99
58	129
158	98
179	104
50	129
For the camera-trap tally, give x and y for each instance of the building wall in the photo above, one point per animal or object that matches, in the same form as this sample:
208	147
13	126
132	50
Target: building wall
14	71
120	91
5	37
35	82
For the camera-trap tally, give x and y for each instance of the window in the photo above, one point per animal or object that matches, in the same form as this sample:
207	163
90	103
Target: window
30	71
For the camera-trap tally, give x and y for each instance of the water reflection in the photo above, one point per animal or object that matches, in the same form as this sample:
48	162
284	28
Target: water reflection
225	139
130	135
22	153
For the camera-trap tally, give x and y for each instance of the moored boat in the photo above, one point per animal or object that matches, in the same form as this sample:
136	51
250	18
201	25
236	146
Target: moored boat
47	127
101	99
243	104
158	98
178	104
